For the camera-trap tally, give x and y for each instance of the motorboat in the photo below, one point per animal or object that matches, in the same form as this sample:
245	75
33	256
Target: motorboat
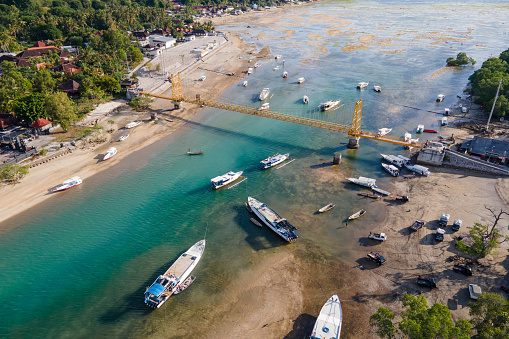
328	323
250	70
393	170
133	124
270	218
440	97
362	85
397	160
363	181
264	94
326	208
305	99
418	169
264	107
123	137
300	80
256	65
110	153
203	78
325	106
285	74
172	280
194	153
420	129
225	179
384	131
357	214
245	83
274	160
377	88
443	122
70	183
377	236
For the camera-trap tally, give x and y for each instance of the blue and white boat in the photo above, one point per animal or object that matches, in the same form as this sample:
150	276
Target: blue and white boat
393	170
328	323
274	160
270	218
418	169
225	179
397	160
363	181
168	283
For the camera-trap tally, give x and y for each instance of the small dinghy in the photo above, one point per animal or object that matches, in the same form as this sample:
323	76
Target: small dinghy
326	208
429	131
183	286
123	137
194	153
305	99
256	222
357	214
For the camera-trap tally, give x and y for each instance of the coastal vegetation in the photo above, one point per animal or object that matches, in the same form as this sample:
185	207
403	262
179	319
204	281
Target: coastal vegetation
13	173
461	60
490	316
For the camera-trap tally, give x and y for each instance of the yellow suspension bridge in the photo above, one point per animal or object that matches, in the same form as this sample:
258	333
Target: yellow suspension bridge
339	120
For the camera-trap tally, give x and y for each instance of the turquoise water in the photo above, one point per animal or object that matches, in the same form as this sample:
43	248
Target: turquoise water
77	265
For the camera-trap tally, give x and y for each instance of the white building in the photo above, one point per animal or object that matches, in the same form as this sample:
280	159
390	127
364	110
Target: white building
161	41
190	37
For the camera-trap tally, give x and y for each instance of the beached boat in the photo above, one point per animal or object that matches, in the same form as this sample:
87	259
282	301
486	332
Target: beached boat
418	169
305	99
300	80
133	124
325	106
393	170
70	183
380	191
328	323
357	214
397	160
285	74
166	284
326	208
440	97
256	222
203	78
274	160
245	83
363	181
264	94
419	129
362	85
370	195
429	131
110	153
443	122
123	137
270	218
194	153
264	107
384	131
225	179
377	88
185	284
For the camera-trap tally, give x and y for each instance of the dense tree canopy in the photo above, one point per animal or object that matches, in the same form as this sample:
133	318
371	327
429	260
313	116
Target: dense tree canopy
490	316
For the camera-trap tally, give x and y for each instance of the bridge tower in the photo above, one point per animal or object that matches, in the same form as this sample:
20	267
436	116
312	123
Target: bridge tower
177	94
355	128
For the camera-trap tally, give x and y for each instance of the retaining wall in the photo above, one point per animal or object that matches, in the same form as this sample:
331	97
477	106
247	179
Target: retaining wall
462	161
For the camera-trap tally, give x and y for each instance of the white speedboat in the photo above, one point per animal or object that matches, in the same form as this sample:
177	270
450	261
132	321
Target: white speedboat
440	97
172	280
419	129
285	74
274	160
270	218
203	78
384	131
264	94
245	83
250	70
418	169
393	170
133	124
443	122
305	99
328	323
362	85
123	137
110	153
377	88
363	181
397	160
70	183
300	80
325	106
264	107
225	179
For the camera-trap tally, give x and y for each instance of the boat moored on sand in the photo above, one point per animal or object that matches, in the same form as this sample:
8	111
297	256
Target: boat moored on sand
123	137
110	153
329	321
274	160
325	106
70	183
363	181
418	169
225	179
357	214
270	218
264	94
133	124
326	208
393	170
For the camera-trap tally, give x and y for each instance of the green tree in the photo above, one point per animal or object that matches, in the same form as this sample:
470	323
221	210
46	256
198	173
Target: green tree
43	82
108	84
61	109
490	316
13	173
30	107
12	86
461	59
382	321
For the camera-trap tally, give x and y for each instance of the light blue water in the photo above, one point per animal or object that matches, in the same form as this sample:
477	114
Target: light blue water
77	265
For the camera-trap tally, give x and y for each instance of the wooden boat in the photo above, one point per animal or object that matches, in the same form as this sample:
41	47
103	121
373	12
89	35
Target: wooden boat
326	208
357	214
429	131
194	153
182	287
369	195
256	222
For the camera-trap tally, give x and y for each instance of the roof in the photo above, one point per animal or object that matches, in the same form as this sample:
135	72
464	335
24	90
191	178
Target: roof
486	146
156	290
40	123
70	86
37	51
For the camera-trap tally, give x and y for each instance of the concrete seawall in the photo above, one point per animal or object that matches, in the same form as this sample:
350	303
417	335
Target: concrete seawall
462	161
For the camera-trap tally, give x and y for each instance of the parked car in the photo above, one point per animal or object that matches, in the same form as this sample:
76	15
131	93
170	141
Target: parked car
376	257
456	225
462	269
475	291
416	225
444	219
439	236
428	282
377	236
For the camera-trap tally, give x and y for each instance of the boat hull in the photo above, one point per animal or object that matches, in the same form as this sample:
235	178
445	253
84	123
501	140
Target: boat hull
232	179
329	321
275	163
255	210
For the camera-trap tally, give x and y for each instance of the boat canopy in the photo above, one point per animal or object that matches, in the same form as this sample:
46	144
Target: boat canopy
156	289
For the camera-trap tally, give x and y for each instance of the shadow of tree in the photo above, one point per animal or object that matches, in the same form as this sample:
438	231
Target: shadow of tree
302	327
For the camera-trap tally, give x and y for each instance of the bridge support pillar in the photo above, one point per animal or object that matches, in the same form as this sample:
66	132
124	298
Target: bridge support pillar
353	143
176	105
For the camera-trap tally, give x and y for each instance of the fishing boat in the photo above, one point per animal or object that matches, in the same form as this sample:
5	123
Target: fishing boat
363	181
285	74
380	191
300	80
440	97
245	83
325	106
264	107
393	170
377	88
185	284
203	78
429	130
305	99
397	160
264	94
274	160
418	169
123	137
326	208
256	222
133	124
194	153
384	131
357	214
362	85
270	218
110	153
166	284
328	323
225	179
370	195
420	129
70	183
